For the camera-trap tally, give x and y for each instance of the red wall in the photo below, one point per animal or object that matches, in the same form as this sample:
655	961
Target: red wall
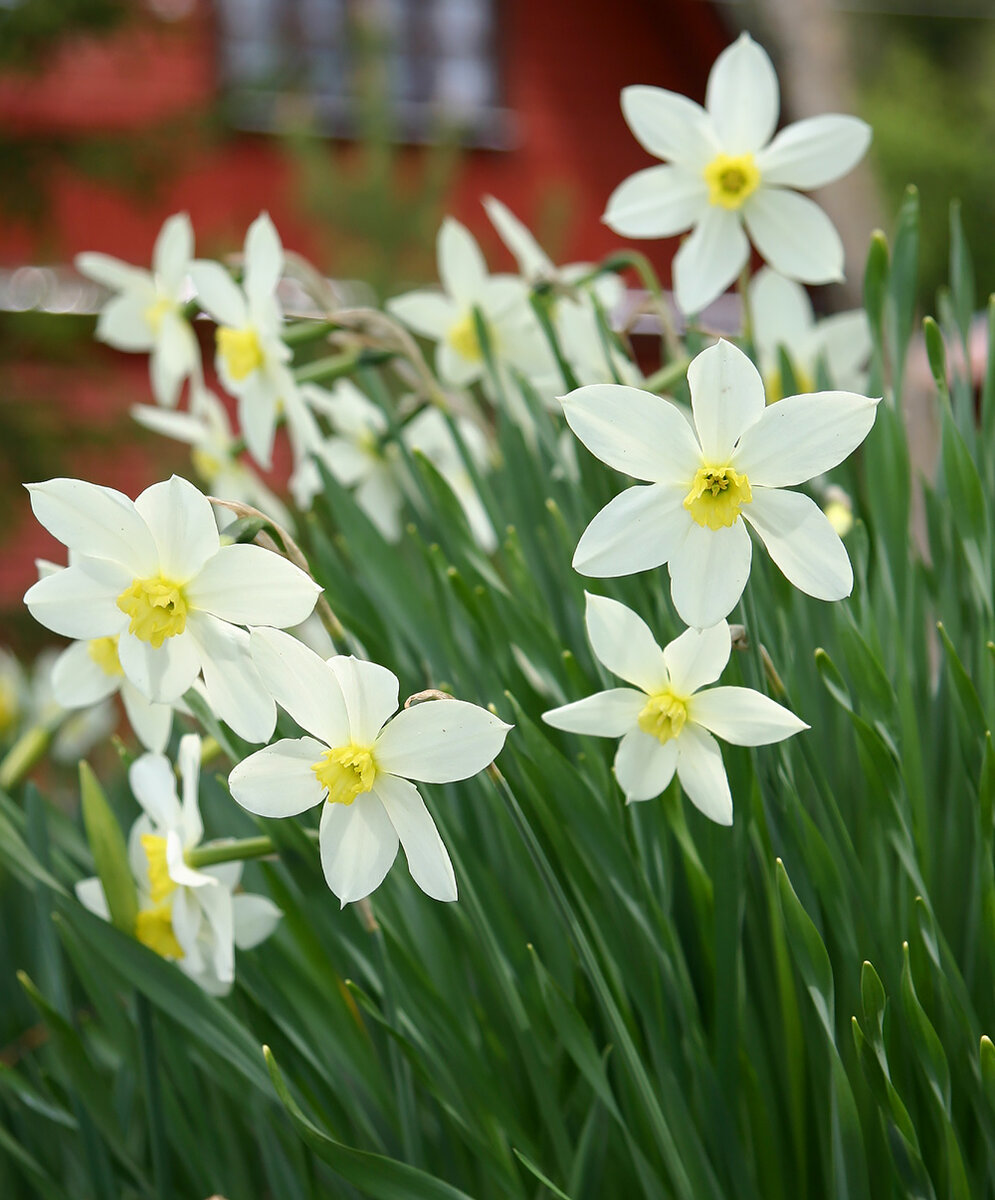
563	64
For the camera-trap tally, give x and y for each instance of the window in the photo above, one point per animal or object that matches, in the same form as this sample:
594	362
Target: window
437	60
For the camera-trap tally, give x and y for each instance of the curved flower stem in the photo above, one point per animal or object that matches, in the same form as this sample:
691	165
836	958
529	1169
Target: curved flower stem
648	278
235	850
743	287
335	366
25	753
292	551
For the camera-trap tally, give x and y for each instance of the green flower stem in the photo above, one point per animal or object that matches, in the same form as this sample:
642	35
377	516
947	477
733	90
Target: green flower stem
153	1099
28	750
743	287
302	332
648	278
236	850
335	366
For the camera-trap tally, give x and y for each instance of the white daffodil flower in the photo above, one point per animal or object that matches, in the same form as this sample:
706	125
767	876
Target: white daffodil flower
667	718
705	481
214	451
429	434
783	318
193	917
355	454
726	169
251	358
448	318
147	312
358	762
29	700
574	314
154	574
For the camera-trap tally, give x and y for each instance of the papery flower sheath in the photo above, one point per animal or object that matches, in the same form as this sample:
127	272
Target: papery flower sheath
725	169
153	574
357	762
667	719
707	480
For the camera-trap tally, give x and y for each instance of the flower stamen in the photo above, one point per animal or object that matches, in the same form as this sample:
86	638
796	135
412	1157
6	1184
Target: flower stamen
157	608
731	179
663	715
346	771
462	336
240	351
103	651
717	494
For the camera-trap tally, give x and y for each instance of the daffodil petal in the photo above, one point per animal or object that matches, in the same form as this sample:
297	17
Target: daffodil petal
462	268
708	572
698	657
162	674
152	723
803	436
358	845
123	323
644	766
843	340
727	397
742	716
258	407
532	260
277	781
633	431
263	260
657	202
172	252
96	521
710	259
302	683
250	585
669	126
81	600
605	714
254	917
702	774
112	272
370	695
78	680
815	151
219	295
624	643
234	688
440	741
794	235
742	96
90	893
153	785
782	313
181	521
430	314
428	859
801	542
640	529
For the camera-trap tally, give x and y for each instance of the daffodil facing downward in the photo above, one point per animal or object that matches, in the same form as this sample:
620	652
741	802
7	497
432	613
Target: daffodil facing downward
153	574
357	761
668	718
193	917
725	169
708	481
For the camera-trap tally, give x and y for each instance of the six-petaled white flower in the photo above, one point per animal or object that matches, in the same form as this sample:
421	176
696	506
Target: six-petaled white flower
154	574
725	169
783	318
705	482
448	318
357	763
251	358
667	719
146	314
194	917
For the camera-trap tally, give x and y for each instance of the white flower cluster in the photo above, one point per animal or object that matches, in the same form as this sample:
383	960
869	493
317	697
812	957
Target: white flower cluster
166	609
